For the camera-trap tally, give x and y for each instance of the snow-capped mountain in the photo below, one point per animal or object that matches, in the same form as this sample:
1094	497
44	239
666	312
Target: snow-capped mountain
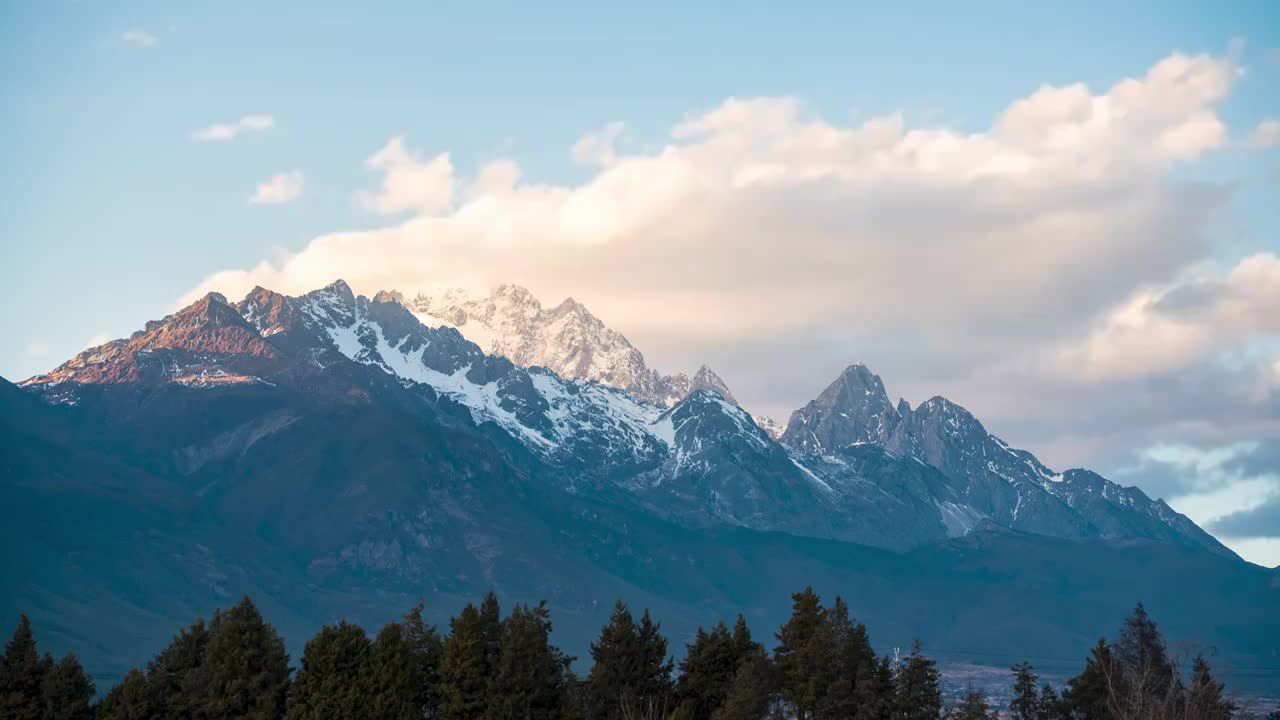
566	339
850	465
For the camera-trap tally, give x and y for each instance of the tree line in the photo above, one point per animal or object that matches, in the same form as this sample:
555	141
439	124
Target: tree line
490	667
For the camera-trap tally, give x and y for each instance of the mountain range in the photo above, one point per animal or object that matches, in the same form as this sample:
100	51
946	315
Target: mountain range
339	455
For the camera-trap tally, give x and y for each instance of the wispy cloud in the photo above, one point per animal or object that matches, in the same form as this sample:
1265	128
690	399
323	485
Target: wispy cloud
222	132
279	189
138	38
598	148
1266	135
36	348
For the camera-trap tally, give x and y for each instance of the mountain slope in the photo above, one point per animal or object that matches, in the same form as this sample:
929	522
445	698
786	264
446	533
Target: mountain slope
359	459
566	339
356	511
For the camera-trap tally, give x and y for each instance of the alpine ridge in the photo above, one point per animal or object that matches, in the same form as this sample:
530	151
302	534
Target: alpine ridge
842	469
994	481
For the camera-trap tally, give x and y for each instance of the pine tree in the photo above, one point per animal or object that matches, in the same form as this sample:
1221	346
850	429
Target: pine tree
630	670
1141	655
802	656
744	647
171	674
751	696
856	687
1052	707
974	706
390	676
129	700
530	681
491	628
1205	699
330	684
427	648
1025	704
658	665
707	672
918	688
245	673
836	688
465	669
577	704
21	672
66	692
1088	694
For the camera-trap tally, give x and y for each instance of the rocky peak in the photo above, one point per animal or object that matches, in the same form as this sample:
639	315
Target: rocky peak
938	414
334	300
206	339
268	311
859	377
707	379
208	325
853	409
517	295
338	292
212	308
704	420
394	320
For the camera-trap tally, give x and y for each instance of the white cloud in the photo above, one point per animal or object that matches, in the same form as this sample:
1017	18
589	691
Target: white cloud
279	189
1232	490
1265	135
1205	507
138	38
99	339
408	183
779	246
597	148
36	348
229	131
1180	325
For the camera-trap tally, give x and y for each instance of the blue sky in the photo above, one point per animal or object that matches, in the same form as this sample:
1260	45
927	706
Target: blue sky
113	211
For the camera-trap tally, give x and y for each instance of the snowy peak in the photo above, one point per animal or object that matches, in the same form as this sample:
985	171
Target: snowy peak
705	416
567	339
580	426
706	379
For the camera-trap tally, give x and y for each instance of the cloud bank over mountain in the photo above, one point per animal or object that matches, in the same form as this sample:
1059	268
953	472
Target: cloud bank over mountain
1053	271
